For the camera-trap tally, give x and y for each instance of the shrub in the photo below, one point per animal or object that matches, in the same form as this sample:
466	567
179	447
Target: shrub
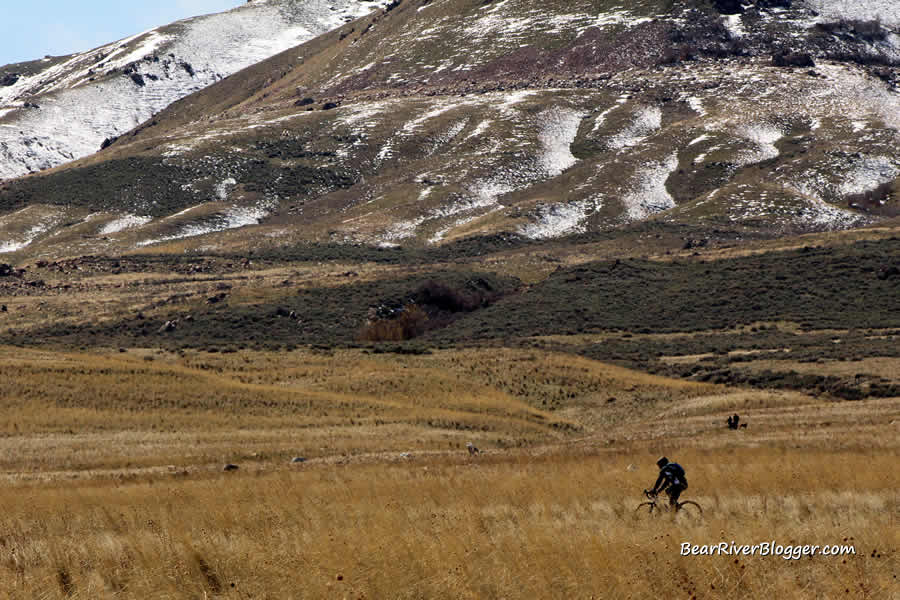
871	198
792	59
409	323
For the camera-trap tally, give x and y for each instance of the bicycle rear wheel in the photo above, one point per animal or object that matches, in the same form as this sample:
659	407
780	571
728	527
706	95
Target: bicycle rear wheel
691	508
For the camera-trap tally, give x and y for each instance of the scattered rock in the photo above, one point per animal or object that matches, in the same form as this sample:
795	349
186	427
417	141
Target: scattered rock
632	467
692	243
169	326
9	79
230	467
792	59
773	3
217	298
298	459
888	272
729	7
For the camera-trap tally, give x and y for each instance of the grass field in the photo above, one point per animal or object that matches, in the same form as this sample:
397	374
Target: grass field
571	373
115	489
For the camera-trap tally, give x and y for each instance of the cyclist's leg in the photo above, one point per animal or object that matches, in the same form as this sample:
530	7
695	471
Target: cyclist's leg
674	493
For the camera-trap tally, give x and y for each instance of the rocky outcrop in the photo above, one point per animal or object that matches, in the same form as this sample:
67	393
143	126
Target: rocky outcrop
728	7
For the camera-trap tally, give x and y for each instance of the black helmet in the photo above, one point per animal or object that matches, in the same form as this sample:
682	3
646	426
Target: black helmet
663	461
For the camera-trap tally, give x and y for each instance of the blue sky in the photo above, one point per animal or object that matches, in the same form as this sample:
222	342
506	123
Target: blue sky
34	28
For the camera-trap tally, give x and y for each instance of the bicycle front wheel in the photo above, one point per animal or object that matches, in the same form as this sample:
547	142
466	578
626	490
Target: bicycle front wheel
645	508
691	508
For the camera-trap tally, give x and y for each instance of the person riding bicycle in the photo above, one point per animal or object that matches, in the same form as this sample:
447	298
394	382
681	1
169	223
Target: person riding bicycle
671	480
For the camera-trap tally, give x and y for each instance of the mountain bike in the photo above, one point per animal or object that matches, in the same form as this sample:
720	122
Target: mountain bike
688	506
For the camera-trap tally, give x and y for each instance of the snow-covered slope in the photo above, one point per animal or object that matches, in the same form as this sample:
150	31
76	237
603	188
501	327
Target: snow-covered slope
435	120
887	11
65	109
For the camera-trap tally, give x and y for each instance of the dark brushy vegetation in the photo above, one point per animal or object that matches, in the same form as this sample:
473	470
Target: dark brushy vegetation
433	305
158	187
321	316
816	287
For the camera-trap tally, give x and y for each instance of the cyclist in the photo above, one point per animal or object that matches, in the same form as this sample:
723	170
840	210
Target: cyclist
671	480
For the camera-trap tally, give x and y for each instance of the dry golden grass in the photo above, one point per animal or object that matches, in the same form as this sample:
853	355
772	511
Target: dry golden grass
506	526
65	411
114	489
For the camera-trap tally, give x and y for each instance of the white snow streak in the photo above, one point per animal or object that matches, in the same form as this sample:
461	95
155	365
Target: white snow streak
123	223
651	195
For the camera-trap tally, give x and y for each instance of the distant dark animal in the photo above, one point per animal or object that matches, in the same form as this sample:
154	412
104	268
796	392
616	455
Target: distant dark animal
733	421
230	467
472	449
743	426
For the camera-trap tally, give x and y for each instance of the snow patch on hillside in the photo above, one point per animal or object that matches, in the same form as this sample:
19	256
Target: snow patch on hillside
646	121
14	243
480	129
820	214
224	187
556	129
868	175
556	137
650	195
855	96
734	25
696	105
764	137
559	219
77	114
601	118
123	223
232	218
888	11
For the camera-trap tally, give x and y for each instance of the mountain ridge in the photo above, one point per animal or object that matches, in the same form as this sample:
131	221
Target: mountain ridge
391	130
57	109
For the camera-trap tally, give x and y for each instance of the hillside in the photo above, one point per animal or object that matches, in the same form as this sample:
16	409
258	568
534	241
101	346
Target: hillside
60	108
430	121
411	310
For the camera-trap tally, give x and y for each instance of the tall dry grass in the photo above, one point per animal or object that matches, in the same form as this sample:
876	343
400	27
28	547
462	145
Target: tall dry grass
91	508
81	411
558	526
